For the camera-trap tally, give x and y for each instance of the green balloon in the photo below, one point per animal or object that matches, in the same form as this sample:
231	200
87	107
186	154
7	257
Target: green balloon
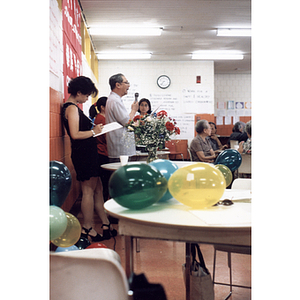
226	173
57	221
137	186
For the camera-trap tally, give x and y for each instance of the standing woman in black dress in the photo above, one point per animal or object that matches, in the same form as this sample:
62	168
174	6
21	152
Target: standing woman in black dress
85	157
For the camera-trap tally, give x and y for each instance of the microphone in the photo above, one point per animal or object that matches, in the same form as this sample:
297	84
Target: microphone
136	95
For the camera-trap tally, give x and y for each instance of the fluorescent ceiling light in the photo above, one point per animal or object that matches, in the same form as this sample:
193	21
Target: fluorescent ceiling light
217	55
123	55
234	32
125	31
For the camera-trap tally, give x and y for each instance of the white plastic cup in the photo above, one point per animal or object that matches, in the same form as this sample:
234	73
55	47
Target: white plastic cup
124	160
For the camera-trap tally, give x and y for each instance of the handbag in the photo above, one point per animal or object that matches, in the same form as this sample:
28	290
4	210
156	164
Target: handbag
201	285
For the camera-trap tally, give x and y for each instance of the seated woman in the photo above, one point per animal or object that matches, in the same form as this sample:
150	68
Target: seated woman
245	147
144	107
200	147
213	139
238	133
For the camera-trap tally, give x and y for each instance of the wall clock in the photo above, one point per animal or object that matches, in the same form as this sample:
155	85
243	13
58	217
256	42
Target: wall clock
163	81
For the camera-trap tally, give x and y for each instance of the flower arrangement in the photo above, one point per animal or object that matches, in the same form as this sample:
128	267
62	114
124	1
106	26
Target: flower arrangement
152	131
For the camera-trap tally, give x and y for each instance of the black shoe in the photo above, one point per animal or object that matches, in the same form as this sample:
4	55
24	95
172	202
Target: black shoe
97	238
107	233
113	220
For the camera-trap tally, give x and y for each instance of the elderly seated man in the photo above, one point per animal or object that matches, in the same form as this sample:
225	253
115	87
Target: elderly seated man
200	147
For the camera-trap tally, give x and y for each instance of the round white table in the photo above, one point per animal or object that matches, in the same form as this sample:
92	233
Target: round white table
171	220
117	165
142	156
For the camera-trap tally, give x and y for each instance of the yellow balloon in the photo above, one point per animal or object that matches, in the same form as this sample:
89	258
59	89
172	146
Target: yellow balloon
72	233
199	185
226	173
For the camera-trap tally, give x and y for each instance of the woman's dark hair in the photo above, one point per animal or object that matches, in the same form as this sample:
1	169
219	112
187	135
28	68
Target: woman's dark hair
117	78
101	102
82	84
238	126
149	104
212	123
92	111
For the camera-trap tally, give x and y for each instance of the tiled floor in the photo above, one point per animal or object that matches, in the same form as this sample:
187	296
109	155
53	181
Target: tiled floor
161	262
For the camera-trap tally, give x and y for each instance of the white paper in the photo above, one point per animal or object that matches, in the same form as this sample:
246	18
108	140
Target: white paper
170	102
219	120
227	120
238	213
221	113
198	99
236	194
109	127
235	119
221	105
186	123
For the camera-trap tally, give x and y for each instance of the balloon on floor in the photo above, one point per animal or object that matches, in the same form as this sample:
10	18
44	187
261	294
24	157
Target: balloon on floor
60	183
72	233
57	222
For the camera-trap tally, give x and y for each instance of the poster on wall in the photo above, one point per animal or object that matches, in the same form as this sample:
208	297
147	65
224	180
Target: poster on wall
72	66
198	100
186	123
232	111
169	102
55	38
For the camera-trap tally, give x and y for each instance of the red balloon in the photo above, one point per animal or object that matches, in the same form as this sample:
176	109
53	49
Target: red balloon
96	245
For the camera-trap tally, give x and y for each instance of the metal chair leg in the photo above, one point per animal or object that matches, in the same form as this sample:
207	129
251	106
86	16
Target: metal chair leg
137	245
214	266
230	269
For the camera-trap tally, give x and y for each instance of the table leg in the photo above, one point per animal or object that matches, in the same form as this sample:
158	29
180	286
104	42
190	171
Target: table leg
128	255
187	270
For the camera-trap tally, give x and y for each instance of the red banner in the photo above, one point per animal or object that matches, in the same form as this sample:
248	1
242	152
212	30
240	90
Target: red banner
71	20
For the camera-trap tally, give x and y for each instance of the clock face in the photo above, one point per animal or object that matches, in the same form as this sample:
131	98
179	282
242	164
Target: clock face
163	81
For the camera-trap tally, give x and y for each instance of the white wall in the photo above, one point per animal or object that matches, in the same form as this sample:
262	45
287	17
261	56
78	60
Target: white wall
180	100
55	47
144	74
235	87
87	71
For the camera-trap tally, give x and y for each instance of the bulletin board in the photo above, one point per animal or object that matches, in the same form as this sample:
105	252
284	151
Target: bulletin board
227	113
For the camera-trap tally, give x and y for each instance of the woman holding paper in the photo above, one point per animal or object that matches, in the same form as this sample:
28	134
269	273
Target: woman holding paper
84	155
